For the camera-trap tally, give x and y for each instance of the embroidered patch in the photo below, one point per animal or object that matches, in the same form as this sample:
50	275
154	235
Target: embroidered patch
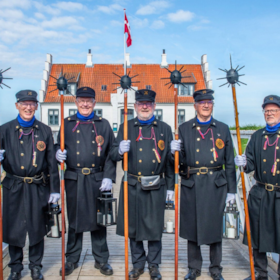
41	146
29	93
204	91
146	92
161	145
220	143
99	140
270	98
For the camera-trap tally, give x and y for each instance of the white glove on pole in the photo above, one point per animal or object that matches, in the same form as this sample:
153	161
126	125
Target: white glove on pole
230	198
106	185
2	155
124	146
61	156
169	195
54	197
240	160
175	145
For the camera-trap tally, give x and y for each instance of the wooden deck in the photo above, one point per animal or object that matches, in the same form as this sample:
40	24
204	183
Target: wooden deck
235	258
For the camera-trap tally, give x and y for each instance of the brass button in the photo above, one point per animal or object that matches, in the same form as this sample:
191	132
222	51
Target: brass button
212	161
78	164
36	125
140	127
198	173
277	148
17	127
197	162
211	138
78	153
100	118
140	149
140	160
78	141
155	122
211	150
93	153
78	131
93	142
181	171
265	136
182	163
198	139
77	121
198	128
278	172
22	167
22	154
211	172
264	172
153	138
197	150
21	142
153	149
141	139
35	165
278	160
69	119
139	173
264	160
93	165
20	130
153	172
154	160
278	136
277	184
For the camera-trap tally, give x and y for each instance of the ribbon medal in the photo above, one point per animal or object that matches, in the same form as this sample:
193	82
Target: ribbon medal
161	145
100	141
41	146
220	143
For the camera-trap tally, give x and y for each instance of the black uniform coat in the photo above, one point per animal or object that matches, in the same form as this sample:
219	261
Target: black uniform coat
146	207
203	195
264	206
82	191
24	205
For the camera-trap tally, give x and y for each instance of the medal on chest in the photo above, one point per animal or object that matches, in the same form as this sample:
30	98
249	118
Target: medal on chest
266	144
100	141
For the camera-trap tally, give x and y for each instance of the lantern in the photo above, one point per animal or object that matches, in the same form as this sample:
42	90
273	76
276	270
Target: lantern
106	210
231	222
169	217
53	227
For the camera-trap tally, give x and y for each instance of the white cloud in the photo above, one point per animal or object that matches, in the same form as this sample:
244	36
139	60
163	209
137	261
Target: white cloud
57	22
139	23
11	14
116	23
181	16
39	16
46	9
69	6
154	7
157	24
110	9
24	4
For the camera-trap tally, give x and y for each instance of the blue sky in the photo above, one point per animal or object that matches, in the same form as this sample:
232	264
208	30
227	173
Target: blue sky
248	30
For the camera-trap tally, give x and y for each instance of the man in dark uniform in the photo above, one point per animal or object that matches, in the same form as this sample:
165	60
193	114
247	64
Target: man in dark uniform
206	186
31	181
148	165
262	156
90	171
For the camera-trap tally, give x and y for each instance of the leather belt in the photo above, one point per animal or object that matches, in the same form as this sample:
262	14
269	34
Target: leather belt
37	179
269	187
200	170
140	176
86	170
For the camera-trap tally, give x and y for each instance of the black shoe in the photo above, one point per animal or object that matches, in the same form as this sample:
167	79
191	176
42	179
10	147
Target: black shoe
69	268
257	277
193	273
154	272
217	276
36	274
104	268
14	276
135	273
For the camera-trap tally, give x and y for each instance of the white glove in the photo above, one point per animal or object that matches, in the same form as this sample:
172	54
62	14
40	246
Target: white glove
54	197
124	146
2	155
61	156
106	185
240	160
230	198
169	195
175	145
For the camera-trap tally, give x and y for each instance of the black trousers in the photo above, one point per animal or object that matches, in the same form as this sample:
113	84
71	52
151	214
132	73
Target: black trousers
195	257
138	253
99	246
260	263
36	253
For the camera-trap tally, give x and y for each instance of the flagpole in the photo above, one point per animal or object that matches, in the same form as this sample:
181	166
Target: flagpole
124	68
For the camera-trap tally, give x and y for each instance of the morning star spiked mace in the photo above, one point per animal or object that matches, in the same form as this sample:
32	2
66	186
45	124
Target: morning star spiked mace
175	79
232	79
125	83
2	78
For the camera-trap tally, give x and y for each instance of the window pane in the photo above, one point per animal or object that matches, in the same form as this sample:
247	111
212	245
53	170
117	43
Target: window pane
50	112
56	112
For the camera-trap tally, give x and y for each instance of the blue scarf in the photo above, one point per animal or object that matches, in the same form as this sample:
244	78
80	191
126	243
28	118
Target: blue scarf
204	122
83	118
148	121
272	129
23	123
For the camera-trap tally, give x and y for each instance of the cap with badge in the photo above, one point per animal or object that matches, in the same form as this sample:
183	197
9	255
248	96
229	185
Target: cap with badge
85	92
145	95
26	95
271	99
203	94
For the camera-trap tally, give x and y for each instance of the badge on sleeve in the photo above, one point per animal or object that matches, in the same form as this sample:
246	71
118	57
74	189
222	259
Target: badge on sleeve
161	145
220	143
41	146
99	140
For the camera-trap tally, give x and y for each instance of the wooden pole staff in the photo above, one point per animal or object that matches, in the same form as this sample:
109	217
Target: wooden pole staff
176	167
125	187
1	229
62	184
247	220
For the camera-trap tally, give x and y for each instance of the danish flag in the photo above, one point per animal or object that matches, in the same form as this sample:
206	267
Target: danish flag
127	30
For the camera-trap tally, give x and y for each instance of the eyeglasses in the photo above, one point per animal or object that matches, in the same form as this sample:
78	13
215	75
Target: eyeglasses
25	104
203	103
85	101
142	104
273	111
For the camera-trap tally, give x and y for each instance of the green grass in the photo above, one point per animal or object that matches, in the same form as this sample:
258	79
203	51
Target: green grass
248	127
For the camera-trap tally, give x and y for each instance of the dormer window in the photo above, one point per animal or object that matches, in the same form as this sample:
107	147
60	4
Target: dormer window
148	87
72	88
104	87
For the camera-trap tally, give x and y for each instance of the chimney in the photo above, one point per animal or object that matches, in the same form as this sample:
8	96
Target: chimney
163	59
206	71
127	60
89	59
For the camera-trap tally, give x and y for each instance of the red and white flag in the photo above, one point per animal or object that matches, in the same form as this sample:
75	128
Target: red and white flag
127	30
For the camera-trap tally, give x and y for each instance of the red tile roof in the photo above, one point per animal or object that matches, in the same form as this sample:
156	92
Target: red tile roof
101	74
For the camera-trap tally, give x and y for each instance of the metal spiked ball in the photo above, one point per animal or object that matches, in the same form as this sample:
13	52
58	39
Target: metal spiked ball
62	84
125	82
